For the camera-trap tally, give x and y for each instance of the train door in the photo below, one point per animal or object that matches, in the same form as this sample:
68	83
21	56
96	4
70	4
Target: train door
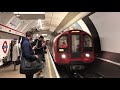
75	45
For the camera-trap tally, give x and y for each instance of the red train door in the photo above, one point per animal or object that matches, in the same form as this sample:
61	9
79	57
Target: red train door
75	46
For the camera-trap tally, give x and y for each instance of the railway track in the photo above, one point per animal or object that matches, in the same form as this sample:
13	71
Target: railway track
87	75
78	74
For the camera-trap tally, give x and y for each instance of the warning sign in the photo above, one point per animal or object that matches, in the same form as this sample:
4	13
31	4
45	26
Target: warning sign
5	47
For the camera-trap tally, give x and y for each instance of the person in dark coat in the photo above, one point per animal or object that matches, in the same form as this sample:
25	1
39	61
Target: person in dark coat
27	50
40	47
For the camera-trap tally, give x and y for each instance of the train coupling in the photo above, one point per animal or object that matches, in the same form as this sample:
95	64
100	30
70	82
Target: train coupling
77	67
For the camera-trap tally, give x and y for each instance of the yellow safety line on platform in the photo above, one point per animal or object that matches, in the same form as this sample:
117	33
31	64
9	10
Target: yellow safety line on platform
49	67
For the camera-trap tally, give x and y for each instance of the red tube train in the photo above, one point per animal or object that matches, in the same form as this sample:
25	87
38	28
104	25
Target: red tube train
73	48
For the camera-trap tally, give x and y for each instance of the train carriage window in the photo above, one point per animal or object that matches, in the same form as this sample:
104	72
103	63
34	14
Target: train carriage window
63	42
87	43
75	43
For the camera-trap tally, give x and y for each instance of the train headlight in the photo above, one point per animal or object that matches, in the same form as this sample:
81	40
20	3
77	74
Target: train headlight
87	55
63	56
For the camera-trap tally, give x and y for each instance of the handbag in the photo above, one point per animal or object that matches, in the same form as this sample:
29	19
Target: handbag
18	60
27	67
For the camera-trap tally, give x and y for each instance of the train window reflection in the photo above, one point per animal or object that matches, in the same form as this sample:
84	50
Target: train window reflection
75	43
87	41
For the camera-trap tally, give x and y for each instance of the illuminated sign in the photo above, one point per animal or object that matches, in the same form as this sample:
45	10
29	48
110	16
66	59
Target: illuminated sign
75	31
61	50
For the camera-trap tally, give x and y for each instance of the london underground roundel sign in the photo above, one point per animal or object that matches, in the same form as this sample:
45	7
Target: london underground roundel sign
5	47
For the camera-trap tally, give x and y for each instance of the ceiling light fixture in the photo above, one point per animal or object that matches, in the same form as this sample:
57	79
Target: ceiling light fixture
18	15
40	24
28	12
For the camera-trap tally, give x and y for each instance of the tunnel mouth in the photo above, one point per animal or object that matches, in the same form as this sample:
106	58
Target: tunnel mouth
94	33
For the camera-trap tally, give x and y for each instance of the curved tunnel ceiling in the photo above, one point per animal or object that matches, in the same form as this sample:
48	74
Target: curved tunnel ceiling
28	26
53	21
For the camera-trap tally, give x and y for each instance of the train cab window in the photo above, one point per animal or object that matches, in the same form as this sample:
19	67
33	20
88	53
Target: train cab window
87	43
62	43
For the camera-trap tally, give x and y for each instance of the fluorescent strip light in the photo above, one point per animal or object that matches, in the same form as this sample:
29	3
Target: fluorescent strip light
44	34
75	31
37	35
40	23
29	12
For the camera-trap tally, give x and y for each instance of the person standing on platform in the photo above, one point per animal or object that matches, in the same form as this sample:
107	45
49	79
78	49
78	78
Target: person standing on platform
15	53
27	51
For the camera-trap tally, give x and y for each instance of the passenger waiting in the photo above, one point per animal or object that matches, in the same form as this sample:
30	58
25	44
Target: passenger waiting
15	52
27	52
40	47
